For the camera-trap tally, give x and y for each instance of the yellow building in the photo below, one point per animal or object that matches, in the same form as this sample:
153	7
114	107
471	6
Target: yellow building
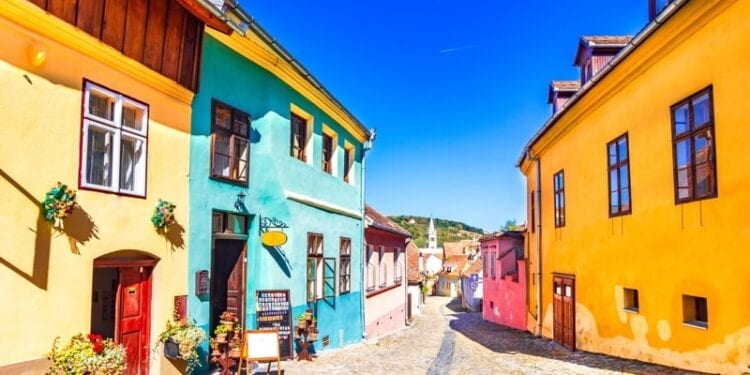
637	195
103	107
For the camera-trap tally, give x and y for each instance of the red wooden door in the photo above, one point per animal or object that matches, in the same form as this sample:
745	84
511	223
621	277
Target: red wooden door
563	309
134	300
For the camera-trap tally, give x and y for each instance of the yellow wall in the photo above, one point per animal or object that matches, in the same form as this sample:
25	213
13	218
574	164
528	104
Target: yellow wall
662	249
46	276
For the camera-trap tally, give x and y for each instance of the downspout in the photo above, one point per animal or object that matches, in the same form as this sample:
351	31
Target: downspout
538	239
365	147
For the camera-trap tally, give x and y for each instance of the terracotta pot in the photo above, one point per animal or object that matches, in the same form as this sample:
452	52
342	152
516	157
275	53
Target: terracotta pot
221	337
235	353
308	315
228	323
312	337
302	324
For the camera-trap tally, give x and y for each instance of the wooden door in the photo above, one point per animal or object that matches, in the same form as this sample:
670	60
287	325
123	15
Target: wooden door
563	309
134	310
228	281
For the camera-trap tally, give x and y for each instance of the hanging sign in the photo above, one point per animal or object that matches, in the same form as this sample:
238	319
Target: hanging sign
273	238
202	283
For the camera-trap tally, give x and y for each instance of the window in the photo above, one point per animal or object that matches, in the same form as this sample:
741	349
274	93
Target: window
695	311
314	267
299	137
327	153
618	163
693	148
630	299
224	222
371	274
485	270
230	149
345	265
492	265
383	275
348	164
115	136
398	266
559	185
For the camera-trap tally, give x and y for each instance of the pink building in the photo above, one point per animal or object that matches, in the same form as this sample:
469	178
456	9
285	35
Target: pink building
385	287
504	279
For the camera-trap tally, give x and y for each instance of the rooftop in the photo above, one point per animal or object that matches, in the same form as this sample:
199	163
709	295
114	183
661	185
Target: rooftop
377	220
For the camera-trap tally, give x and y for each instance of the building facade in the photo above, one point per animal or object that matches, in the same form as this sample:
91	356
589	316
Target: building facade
276	184
385	305
472	287
636	200
104	108
416	281
504	276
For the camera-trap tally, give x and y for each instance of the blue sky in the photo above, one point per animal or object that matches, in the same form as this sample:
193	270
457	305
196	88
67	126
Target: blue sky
455	89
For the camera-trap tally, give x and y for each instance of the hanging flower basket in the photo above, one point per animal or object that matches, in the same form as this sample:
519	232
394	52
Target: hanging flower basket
163	215
58	203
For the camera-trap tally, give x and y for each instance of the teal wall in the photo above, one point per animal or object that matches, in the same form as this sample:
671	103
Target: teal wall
230	78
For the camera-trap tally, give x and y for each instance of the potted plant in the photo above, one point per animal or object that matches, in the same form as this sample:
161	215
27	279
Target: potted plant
186	338
235	349
312	335
58	203
87	355
308	314
214	347
228	319
163	215
302	321
221	332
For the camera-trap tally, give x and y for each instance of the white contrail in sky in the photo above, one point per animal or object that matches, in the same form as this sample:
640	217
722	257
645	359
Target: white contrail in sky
456	49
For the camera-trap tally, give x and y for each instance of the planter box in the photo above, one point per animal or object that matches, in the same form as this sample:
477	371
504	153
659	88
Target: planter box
172	350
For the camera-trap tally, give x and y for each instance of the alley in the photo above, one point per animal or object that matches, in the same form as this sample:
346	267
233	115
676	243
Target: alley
446	340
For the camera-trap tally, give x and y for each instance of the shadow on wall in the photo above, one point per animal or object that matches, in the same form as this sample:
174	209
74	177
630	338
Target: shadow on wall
40	269
281	259
501	339
79	228
175	236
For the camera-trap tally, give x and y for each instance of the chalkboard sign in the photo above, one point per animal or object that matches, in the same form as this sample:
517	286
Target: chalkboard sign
274	312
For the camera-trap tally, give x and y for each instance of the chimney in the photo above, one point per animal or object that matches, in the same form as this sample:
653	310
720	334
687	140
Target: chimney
594	52
560	92
655	7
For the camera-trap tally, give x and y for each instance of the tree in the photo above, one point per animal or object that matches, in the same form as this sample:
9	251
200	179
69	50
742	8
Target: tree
510	225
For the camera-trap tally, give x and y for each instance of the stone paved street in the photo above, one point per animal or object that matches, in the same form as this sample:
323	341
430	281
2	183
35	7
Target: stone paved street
447	341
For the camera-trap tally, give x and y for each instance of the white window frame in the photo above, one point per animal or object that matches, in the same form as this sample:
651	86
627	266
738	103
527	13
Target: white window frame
382	268
119	132
309	122
327	130
349	178
398	274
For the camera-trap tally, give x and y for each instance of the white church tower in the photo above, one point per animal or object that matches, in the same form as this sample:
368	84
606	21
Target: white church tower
431	236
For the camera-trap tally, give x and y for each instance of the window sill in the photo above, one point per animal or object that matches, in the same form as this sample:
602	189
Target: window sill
690	200
108	191
696	324
229	181
632	310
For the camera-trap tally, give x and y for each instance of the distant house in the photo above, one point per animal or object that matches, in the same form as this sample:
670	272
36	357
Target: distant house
415	279
471	286
448	283
385	302
468	247
504	279
432	258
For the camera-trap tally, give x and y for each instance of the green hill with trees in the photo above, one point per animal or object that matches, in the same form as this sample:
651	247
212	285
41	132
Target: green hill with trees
447	230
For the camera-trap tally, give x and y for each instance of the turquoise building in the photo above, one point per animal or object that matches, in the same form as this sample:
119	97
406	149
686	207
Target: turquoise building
276	193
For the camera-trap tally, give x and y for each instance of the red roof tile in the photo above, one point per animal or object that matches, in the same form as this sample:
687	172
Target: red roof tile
609	40
565	85
475	267
380	221
413	275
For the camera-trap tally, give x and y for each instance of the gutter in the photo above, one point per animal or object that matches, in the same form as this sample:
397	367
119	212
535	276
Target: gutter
636	41
249	22
538	224
363	268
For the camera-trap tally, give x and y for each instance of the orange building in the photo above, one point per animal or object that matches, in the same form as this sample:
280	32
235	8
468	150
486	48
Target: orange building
636	194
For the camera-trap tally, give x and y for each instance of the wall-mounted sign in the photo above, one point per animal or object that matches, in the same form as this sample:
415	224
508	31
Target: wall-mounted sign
180	307
202	283
273	238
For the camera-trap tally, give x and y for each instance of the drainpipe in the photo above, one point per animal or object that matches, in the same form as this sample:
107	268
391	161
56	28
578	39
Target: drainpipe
538	223
367	146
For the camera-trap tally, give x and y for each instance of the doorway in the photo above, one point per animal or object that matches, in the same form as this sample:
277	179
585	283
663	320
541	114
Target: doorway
563	309
121	307
228	281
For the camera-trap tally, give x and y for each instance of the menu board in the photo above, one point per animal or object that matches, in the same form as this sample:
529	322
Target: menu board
274	312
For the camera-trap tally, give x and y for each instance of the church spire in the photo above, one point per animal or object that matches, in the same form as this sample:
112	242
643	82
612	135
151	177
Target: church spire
431	236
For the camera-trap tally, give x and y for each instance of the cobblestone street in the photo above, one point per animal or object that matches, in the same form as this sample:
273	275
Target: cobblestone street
447	341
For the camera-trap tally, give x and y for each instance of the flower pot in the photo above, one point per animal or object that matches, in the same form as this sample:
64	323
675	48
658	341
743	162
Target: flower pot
235	353
302	324
228	323
312	336
308	315
215	353
171	350
221	338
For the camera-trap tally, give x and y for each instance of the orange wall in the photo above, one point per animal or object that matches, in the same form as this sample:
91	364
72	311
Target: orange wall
662	249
